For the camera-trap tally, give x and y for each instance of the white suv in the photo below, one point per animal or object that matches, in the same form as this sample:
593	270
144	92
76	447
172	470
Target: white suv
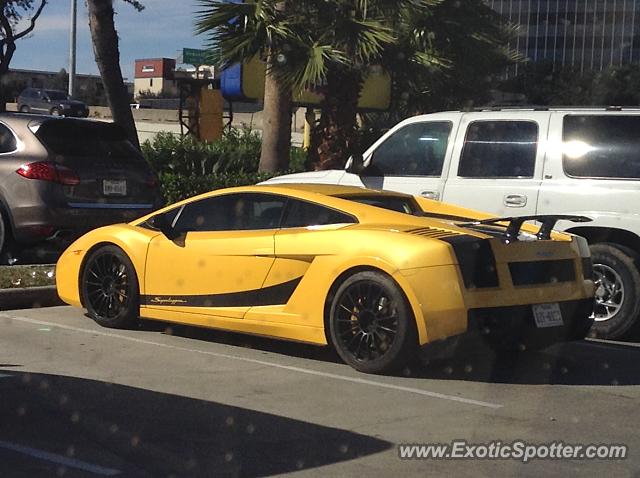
517	162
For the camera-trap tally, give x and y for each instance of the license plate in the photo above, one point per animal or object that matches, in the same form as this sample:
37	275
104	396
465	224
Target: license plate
547	315
114	187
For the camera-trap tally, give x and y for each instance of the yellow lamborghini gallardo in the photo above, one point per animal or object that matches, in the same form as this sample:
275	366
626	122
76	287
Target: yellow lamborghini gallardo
375	274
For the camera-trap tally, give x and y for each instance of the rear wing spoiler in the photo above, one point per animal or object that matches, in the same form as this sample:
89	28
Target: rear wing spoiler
548	222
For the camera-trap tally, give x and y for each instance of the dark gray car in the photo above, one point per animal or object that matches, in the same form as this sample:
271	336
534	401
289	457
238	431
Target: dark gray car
60	177
53	102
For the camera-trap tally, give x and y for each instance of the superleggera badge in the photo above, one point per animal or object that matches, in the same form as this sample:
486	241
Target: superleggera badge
158	300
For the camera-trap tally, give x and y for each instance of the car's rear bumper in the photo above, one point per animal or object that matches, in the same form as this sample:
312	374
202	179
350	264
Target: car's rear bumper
35	223
514	328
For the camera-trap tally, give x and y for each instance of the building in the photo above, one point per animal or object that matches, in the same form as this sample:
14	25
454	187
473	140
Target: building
155	77
89	88
584	34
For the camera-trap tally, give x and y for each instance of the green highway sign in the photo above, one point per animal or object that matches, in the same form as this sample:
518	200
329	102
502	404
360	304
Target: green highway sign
191	56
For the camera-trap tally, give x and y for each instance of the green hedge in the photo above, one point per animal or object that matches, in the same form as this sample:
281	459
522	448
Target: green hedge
187	167
176	187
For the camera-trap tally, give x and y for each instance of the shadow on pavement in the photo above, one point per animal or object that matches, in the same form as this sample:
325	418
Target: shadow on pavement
143	433
306	351
573	363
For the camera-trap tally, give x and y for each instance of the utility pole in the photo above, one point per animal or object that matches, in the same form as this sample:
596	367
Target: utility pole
72	46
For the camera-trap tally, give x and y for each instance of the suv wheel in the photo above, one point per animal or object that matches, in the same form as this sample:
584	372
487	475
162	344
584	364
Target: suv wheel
56	112
24	109
617	281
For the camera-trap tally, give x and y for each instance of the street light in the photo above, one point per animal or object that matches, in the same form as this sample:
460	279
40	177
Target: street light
72	46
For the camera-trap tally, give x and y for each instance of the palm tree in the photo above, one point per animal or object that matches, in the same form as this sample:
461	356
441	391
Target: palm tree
242	31
105	47
329	46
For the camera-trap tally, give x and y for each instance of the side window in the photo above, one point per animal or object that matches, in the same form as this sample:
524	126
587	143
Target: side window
8	142
417	149
601	146
499	149
304	214
232	212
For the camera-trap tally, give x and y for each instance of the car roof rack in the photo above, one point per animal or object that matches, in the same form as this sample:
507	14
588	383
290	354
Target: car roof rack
548	108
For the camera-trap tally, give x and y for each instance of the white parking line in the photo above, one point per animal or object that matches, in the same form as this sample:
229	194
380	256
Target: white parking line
363	381
59	459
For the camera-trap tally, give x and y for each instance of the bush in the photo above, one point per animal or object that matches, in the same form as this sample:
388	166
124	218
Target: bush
176	187
187	167
237	151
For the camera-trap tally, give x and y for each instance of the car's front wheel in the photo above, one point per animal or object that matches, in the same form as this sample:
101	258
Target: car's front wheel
110	288
56	112
617	283
372	327
25	109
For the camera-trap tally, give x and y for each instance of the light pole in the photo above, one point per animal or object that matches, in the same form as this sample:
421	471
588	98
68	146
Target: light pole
72	46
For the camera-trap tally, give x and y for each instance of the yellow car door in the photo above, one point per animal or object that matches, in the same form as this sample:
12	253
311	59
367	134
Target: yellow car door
220	254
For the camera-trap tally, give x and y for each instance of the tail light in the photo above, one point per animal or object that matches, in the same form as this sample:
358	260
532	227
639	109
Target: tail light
152	181
49	171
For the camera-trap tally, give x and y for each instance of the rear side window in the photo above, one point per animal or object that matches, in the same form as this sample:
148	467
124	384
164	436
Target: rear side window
499	149
69	137
8	142
417	149
305	214
601	146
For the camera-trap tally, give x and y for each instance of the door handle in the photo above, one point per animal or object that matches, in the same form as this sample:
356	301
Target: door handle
515	200
435	195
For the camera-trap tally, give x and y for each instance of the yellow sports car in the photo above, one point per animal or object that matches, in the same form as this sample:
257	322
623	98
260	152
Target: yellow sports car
375	274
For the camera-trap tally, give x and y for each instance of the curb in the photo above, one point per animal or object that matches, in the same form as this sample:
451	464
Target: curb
28	298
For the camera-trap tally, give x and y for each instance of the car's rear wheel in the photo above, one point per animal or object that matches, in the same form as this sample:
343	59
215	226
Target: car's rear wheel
56	112
371	325
617	282
110	288
24	109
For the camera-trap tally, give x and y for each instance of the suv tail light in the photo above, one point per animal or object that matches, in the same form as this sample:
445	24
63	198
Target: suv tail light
49	171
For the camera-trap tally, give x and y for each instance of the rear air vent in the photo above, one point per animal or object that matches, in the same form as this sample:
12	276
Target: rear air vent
432	232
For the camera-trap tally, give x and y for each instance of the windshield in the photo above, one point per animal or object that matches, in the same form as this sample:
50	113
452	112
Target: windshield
78	138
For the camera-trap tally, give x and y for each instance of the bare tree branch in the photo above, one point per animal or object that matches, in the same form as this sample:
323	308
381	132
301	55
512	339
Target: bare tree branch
32	22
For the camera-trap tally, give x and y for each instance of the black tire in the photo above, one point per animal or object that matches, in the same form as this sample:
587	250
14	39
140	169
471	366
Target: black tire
370	309
3	234
55	112
609	260
25	109
110	288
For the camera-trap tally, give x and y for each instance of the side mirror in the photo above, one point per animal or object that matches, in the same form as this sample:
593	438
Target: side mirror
356	164
161	223
47	99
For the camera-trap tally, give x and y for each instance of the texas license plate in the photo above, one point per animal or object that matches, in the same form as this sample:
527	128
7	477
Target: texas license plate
114	187
547	315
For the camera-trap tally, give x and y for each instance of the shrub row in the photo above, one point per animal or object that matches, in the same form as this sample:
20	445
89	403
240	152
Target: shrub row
187	167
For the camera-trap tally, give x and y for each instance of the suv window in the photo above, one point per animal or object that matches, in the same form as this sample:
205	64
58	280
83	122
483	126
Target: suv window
601	146
417	149
499	149
305	214
232	212
8	142
69	137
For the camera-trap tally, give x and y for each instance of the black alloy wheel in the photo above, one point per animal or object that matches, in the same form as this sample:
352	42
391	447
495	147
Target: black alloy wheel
110	288
372	327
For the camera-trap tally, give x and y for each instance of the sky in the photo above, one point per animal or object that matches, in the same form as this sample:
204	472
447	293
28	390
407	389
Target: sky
162	29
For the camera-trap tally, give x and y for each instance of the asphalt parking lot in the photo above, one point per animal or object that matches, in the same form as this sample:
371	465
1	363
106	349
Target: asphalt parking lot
79	400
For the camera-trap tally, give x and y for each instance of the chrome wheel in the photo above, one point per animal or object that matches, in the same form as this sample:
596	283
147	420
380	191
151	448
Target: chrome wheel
609	292
107	285
366	320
